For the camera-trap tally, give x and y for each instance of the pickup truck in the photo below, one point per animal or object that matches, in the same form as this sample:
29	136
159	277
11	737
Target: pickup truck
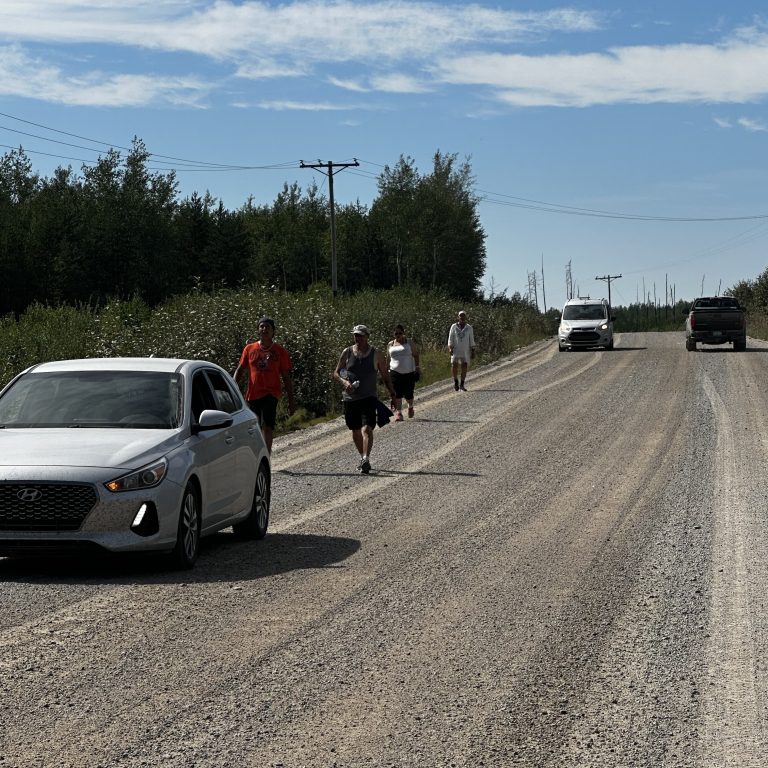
716	320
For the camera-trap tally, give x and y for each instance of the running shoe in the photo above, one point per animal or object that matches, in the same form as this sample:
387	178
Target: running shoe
410	412
463	388
456	385
365	466
399	416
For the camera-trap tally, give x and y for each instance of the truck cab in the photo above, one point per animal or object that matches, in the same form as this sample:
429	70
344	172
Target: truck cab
585	323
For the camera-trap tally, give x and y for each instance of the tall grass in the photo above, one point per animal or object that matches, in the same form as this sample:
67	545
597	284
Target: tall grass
216	326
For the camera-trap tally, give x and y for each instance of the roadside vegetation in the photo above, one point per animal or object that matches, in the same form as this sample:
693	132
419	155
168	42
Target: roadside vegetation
312	325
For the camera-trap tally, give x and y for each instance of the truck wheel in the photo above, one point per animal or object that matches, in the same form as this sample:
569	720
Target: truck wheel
739	345
690	345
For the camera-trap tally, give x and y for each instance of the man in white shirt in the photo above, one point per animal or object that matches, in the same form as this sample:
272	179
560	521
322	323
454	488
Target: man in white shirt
461	345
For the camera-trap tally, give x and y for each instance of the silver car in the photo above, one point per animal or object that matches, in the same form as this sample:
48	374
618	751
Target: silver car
128	455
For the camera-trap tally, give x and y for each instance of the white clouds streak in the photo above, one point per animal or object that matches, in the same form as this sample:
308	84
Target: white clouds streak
728	73
393	46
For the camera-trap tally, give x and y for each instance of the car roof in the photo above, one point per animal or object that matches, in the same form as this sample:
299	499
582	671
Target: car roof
571	302
158	364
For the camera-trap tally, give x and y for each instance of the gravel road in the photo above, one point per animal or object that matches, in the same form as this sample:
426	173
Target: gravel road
564	566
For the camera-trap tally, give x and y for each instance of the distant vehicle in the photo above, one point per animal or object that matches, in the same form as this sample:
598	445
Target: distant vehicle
585	323
716	320
128	455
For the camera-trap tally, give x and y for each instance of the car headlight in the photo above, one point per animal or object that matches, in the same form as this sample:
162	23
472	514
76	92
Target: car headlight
604	327
565	327
146	477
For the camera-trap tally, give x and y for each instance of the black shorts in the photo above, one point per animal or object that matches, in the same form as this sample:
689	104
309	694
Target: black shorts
403	384
266	409
360	412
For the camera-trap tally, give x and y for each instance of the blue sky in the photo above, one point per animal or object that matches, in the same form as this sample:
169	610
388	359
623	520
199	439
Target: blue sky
620	138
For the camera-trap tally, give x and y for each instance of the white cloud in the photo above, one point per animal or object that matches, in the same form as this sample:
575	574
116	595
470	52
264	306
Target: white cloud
754	126
736	72
302	106
22	75
722	122
399	83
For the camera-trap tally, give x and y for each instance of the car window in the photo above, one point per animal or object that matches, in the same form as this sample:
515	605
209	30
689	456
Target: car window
584	312
202	396
223	393
129	399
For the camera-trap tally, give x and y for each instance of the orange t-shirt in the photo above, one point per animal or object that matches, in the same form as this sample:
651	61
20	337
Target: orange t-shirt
265	368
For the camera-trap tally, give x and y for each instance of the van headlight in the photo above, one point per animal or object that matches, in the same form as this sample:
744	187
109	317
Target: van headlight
604	327
565	327
146	477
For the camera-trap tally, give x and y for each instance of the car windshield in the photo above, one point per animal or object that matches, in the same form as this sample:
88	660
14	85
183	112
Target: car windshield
584	312
125	399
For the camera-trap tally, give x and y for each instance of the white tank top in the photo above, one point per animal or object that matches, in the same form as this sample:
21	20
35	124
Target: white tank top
401	358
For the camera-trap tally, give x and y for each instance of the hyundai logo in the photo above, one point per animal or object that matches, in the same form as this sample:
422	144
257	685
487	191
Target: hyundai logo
29	494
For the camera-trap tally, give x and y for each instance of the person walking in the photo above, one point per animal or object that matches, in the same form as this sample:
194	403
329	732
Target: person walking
404	370
461	345
268	365
356	371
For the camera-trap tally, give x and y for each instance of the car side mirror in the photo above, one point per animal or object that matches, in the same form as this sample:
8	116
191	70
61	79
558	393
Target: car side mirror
210	419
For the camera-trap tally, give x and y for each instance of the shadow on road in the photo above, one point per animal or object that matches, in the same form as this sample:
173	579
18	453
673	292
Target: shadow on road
222	559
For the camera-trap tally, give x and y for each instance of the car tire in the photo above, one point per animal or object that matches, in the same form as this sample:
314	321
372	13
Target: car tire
187	547
690	345
739	345
609	345
255	525
561	348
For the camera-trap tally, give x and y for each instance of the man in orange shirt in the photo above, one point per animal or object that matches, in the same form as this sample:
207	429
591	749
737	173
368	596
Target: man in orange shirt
269	371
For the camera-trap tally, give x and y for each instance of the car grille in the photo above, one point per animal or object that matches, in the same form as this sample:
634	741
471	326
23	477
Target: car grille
45	506
584	336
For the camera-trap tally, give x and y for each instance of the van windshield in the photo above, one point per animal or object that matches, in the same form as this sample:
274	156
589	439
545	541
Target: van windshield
584	312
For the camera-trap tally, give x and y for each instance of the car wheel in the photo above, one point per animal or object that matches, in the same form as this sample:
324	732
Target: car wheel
255	525
739	345
609	345
188	537
690	345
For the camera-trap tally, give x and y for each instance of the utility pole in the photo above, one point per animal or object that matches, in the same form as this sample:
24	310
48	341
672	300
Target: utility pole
568	281
543	292
329	169
608	279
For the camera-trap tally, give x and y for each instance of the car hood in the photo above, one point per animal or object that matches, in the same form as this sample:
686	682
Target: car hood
585	323
83	447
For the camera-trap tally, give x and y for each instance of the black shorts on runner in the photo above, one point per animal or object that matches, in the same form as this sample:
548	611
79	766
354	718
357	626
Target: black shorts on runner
266	409
403	384
359	412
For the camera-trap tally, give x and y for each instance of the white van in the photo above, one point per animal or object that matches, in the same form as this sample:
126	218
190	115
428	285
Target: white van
585	323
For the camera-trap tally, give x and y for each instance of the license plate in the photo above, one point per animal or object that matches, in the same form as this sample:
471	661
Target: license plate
717	333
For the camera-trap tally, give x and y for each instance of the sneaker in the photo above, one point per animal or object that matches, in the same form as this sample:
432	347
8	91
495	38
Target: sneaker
399	416
410	412
463	388
456	385
365	466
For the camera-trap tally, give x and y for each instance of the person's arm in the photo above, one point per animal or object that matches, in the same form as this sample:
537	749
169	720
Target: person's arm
450	339
384	373
472	341
346	385
288	386
415	354
242	367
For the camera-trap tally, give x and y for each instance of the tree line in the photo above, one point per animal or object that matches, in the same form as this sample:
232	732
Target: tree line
118	230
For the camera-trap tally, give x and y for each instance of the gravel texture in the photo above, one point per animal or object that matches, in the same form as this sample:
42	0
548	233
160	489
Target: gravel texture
563	566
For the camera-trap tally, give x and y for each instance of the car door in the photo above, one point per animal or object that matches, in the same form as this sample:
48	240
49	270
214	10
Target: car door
244	424
215	458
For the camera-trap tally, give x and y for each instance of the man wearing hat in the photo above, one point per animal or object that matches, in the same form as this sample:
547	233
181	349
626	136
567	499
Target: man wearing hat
357	371
269	372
